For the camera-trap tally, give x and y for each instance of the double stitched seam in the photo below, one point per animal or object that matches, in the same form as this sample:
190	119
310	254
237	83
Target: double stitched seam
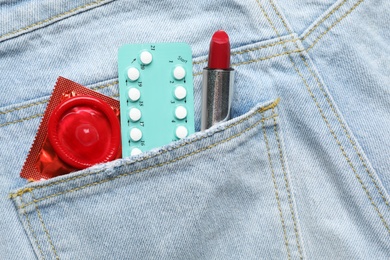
288	189
328	124
44	227
153	166
51	18
276	191
31	229
29	189
334	24
21	120
259	59
323	19
47	100
370	174
252	49
116	82
276	31
34	116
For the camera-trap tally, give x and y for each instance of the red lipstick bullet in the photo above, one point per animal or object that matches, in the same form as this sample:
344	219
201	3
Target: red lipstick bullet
219	54
218	79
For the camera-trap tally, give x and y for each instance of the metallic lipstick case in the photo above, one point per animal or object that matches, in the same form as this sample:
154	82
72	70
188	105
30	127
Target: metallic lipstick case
217	92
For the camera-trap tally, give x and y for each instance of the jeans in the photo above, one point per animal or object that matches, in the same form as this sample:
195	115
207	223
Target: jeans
299	172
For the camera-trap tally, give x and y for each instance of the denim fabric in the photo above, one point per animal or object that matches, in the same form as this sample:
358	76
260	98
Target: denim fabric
299	172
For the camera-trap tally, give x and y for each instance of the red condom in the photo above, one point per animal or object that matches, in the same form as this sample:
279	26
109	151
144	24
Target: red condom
80	128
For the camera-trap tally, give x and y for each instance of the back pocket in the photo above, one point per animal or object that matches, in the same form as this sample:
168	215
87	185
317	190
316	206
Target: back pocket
224	194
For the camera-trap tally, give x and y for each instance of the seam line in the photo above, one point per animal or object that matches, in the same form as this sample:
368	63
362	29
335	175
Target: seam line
276	192
259	59
195	74
44	227
153	166
352	142
47	100
284	47
51	19
329	126
288	189
104	86
29	189
334	24
323	19
32	230
252	49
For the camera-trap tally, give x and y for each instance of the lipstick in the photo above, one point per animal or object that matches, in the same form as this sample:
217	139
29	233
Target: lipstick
218	79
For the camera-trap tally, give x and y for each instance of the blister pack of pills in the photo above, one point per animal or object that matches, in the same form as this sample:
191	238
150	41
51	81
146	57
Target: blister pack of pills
156	95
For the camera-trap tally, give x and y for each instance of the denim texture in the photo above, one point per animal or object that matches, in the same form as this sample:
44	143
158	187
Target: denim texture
299	172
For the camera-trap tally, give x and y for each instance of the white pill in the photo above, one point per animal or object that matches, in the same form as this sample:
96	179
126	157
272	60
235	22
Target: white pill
133	74
179	73
135	151
181	112
146	57
180	92
135	114
181	132
135	134
134	94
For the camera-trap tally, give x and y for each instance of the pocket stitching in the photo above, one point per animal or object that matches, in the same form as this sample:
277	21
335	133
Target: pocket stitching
31	229
31	26
44	227
286	243
363	185
21	192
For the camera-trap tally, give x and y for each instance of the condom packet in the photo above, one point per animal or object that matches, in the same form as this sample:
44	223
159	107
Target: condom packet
80	128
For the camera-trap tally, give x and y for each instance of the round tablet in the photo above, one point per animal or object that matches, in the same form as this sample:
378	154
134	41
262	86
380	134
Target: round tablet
181	132
135	151
133	73
135	114
181	112
135	134
179	73
180	92
84	131
146	57
134	94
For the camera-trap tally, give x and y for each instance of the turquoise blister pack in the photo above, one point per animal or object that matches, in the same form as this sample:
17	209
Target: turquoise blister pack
156	95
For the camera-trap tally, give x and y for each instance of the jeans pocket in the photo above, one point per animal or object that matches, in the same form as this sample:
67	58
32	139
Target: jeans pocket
223	193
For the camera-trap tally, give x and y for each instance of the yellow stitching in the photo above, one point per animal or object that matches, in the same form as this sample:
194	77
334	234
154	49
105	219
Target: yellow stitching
150	167
106	86
281	153
19	193
44	227
47	100
24	106
252	49
21	120
269	57
290	202
116	82
276	192
260	110
323	19
51	18
31	229
259	59
334	24
346	133
33	116
343	151
329	126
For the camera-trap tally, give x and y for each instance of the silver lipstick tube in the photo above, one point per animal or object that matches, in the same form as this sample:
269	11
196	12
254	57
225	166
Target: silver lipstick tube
217	92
